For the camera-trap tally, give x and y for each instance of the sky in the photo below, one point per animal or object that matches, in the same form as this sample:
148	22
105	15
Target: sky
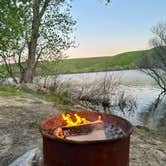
122	26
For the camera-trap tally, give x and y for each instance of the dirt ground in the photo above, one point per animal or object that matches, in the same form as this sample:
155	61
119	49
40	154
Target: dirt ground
19	125
19	132
148	148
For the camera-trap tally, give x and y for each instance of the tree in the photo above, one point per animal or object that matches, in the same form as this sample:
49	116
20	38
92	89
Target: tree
33	30
153	63
10	33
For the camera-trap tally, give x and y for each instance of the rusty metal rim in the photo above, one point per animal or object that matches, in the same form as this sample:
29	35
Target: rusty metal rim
89	142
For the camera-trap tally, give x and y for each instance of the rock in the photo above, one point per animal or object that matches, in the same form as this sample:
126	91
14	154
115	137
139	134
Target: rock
31	158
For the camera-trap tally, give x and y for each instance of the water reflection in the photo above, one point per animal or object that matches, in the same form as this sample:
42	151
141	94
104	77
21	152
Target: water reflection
154	115
150	110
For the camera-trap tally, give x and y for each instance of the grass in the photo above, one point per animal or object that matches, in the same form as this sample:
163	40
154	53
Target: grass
10	91
56	98
126	60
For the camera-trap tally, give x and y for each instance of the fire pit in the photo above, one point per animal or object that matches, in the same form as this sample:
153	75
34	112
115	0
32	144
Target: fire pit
86	139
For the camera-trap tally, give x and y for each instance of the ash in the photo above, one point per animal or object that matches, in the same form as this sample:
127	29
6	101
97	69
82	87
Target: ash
112	131
109	131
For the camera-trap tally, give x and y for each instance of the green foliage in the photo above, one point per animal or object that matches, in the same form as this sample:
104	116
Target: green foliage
55	29
12	26
33	30
3	72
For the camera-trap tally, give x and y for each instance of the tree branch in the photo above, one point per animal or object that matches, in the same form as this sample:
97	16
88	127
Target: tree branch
9	69
46	3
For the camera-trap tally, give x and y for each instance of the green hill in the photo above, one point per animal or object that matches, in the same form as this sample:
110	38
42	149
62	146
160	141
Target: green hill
121	61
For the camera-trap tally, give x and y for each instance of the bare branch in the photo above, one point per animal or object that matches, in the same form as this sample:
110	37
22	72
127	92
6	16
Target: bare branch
153	63
9	69
46	2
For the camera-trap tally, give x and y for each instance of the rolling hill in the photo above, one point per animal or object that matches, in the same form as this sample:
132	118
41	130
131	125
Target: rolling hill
127	60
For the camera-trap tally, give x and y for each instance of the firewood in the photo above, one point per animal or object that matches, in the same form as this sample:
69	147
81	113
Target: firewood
82	129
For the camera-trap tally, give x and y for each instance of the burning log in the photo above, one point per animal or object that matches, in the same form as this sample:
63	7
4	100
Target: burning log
59	133
67	132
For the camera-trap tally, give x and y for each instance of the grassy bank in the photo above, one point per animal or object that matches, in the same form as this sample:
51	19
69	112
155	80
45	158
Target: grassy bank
56	98
122	61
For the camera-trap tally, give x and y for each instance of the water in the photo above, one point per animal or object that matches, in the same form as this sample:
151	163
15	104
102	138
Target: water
136	84
127	77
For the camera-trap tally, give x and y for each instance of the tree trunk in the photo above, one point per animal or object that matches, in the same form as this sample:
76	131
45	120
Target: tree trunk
30	71
29	74
32	44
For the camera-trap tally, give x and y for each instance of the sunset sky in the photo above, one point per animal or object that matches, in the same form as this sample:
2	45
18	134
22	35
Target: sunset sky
123	25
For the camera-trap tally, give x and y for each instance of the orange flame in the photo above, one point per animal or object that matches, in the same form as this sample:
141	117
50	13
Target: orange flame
78	120
70	123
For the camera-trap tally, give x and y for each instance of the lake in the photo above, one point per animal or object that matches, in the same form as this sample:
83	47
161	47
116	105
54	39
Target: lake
134	83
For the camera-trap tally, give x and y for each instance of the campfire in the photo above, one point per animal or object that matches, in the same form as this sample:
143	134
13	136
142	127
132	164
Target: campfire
77	127
86	139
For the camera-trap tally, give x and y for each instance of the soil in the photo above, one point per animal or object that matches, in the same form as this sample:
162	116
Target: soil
19	132
148	148
19	125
